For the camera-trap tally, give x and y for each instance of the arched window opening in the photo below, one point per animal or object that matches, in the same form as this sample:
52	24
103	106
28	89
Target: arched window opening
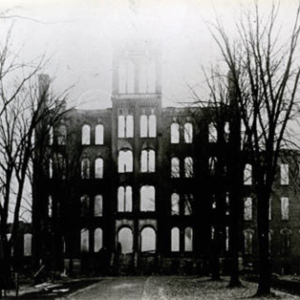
129	126
99	134
125	239
27	244
226	132
188	167
144	126
62	135
50	168
61	166
148	126
85	168
147	198
125	161
148	161
84	240
152	126
188	133
248	174
226	238
125	126
175	237
148	237
248	209
285	208
121	126
175	204
99	168
188	202
50	137
86	135
175	136
50	206
212	164
248	242
125	199
84	205
98	239
188	239
284	174
98	206
212	133
175	167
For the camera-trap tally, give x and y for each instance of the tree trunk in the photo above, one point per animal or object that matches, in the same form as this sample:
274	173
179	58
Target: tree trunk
264	283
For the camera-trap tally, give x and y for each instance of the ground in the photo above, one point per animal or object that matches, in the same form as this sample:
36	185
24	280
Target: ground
165	288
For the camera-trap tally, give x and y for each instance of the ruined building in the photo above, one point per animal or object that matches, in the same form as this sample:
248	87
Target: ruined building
137	188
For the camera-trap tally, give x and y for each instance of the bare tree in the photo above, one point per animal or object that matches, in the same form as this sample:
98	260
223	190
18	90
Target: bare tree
223	171
23	109
263	86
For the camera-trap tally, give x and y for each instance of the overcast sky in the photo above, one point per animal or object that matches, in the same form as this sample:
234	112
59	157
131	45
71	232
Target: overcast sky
79	35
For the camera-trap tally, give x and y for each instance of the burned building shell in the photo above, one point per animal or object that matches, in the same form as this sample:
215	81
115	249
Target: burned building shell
145	189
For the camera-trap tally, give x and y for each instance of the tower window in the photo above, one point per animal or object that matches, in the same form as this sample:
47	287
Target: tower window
148	126
125	199
147	77
126	77
125	126
125	161
148	161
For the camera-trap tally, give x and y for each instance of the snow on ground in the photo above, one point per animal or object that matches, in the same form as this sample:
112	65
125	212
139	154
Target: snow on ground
192	288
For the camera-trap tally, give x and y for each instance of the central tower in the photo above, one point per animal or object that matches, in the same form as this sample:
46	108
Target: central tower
136	128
